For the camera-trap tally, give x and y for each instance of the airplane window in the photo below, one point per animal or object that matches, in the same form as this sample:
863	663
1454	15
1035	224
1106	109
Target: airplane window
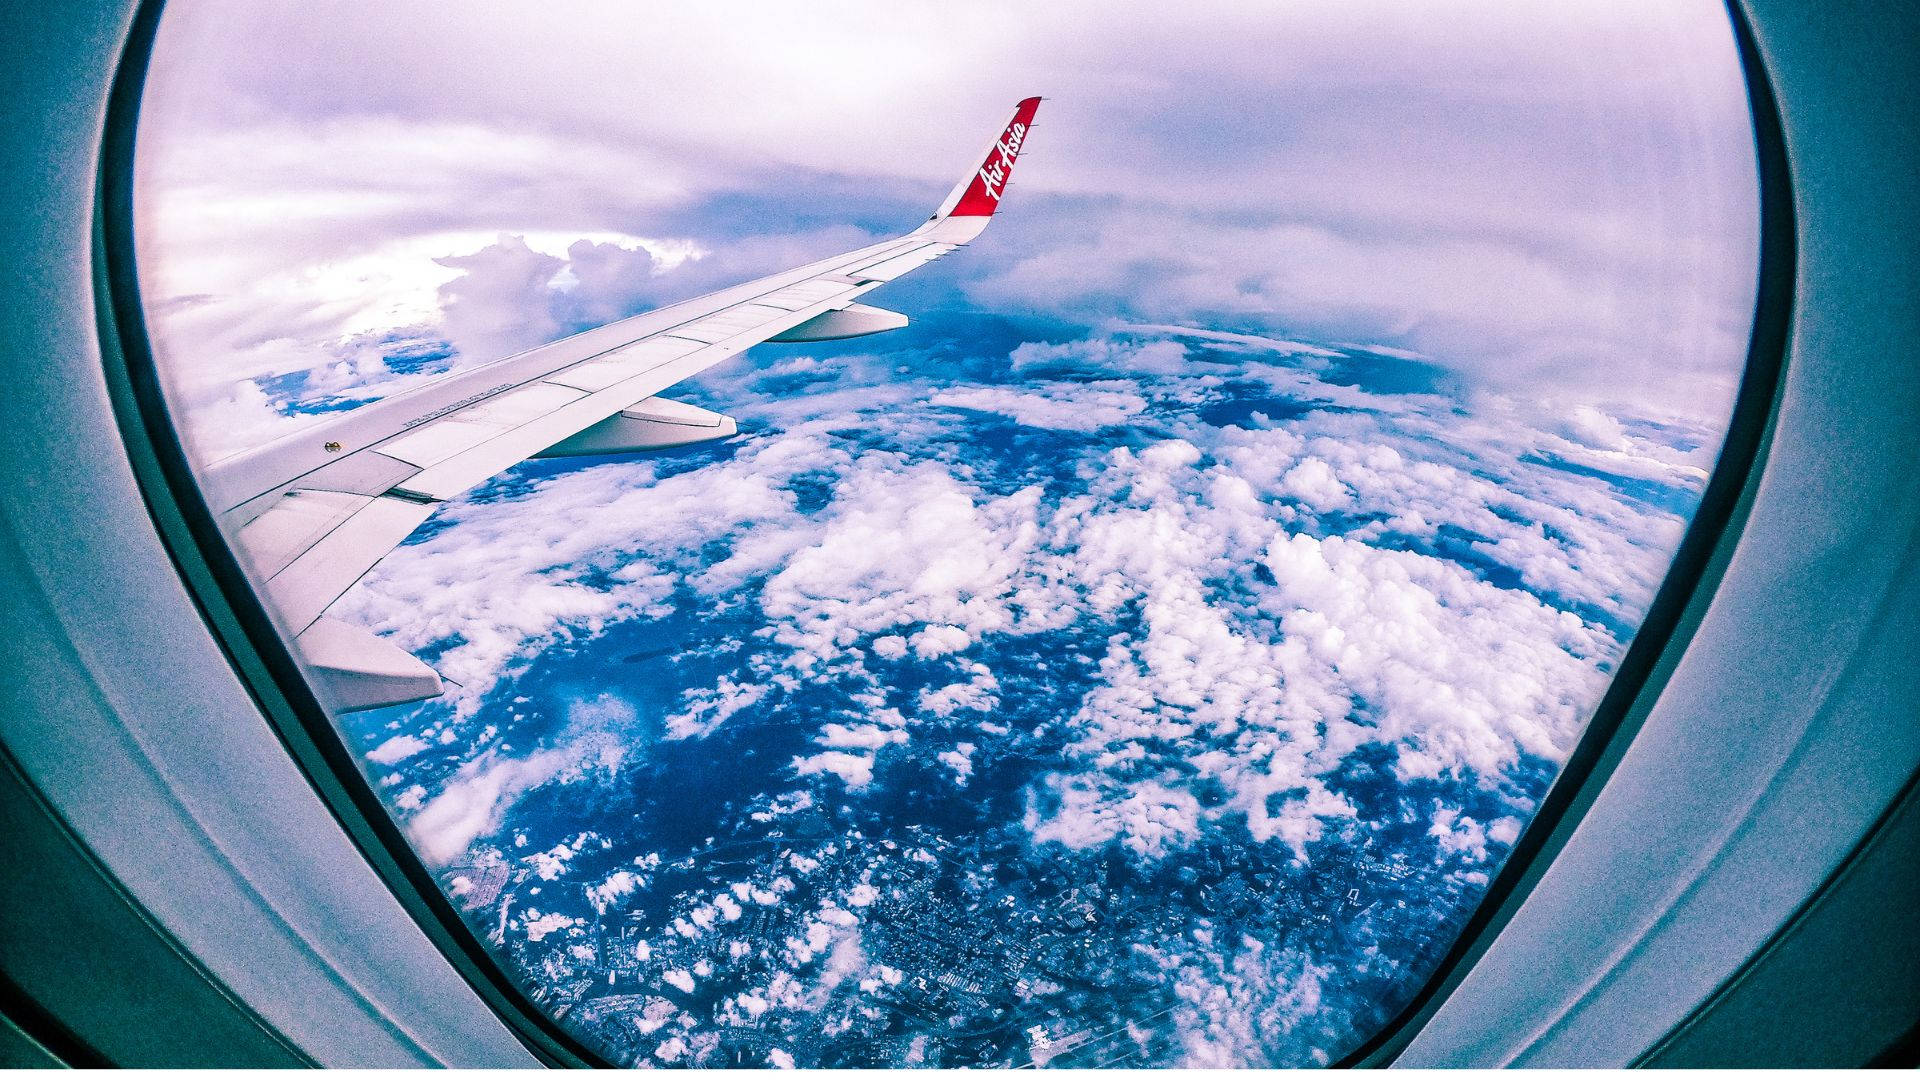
1144	648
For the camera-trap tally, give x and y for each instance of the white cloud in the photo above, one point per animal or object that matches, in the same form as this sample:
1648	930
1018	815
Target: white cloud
976	694
1148	817
471	804
854	770
860	737
1313	482
960	760
551	864
618	884
1373	634
1160	356
1088	409
1591	427
1251	1005
939	641
507	587
1251	342
540	925
1504	313
1458	834
398	748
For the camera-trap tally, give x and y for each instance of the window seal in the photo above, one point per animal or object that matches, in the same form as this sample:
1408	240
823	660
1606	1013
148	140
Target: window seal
235	616
1689	584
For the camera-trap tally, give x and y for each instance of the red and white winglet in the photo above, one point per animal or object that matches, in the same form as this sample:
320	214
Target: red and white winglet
974	199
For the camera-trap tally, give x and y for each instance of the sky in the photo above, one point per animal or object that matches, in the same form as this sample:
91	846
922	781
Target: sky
1555	201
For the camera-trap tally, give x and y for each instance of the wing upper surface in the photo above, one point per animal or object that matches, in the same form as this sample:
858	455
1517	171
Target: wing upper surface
313	512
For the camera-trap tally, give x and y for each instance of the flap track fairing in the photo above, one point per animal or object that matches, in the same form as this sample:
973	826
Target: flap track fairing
854	320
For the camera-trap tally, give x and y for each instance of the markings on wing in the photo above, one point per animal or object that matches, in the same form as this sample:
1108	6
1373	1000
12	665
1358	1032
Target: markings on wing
311	542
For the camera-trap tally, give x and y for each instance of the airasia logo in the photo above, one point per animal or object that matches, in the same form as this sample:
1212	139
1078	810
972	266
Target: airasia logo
993	175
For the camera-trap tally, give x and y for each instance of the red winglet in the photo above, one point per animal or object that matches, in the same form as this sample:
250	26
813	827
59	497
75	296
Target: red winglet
980	196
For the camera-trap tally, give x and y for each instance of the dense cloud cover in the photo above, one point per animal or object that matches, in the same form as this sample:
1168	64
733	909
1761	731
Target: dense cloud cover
1146	656
1292	588
1166	628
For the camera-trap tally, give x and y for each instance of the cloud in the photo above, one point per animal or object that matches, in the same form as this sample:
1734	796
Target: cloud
1351	174
1365	645
471	801
1151	819
1159	355
1313	482
1238	92
1250	1004
1260	601
1249	342
540	925
471	805
1591	427
960	760
1502	313
974	695
398	748
503	590
854	770
619	884
1082	409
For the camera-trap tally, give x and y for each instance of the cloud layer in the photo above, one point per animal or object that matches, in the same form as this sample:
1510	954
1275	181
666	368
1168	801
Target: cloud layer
1259	601
1203	617
1547	199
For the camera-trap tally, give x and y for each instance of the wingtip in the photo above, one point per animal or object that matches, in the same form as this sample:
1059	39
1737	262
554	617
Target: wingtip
979	194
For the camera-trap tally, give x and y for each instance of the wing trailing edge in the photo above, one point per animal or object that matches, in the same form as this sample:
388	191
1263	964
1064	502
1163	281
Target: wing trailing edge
854	320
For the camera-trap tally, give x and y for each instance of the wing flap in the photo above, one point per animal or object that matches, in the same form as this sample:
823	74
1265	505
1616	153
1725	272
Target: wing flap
743	317
705	333
361	671
294	524
654	424
433	443
516	407
312	581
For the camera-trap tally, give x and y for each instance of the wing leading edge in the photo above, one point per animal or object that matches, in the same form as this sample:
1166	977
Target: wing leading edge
313	512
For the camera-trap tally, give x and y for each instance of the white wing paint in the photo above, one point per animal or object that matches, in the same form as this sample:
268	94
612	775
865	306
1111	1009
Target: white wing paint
313	512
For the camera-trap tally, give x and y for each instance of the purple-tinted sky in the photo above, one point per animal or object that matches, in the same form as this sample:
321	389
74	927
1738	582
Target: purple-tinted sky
1555	200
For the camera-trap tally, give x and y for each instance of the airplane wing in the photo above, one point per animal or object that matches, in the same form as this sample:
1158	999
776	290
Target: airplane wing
313	512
